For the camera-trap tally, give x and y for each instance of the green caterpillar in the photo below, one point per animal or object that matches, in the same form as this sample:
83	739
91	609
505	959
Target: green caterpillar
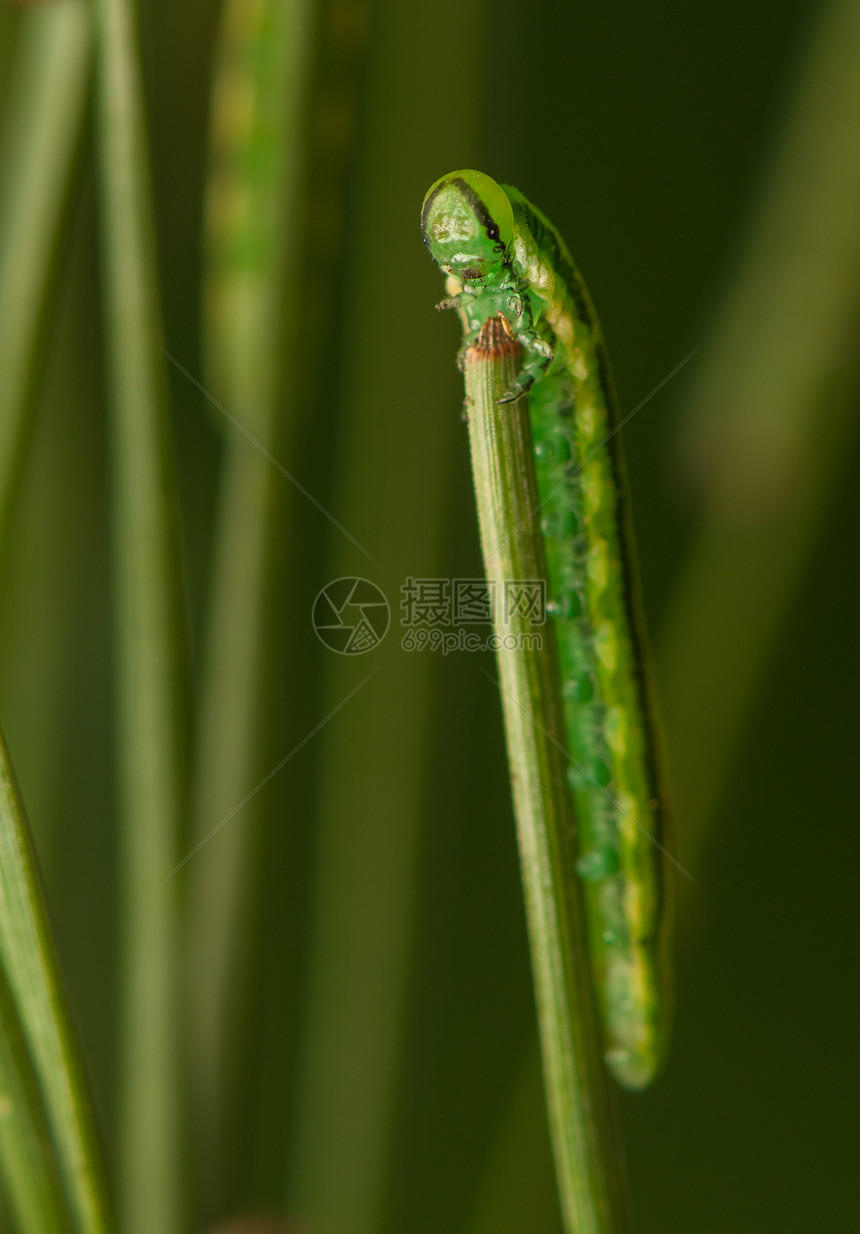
504	258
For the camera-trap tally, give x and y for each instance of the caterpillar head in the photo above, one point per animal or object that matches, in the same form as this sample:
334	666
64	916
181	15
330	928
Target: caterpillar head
468	224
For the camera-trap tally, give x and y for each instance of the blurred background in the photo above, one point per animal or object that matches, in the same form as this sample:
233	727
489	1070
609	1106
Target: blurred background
355	1045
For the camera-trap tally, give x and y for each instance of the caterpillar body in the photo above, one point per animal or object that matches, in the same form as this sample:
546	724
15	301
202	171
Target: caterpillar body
503	258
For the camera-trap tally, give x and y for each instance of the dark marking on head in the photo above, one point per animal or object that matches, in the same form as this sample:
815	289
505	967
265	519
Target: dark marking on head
482	214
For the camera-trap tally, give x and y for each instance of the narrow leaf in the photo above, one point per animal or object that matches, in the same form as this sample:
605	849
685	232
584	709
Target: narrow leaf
36	1027
147	654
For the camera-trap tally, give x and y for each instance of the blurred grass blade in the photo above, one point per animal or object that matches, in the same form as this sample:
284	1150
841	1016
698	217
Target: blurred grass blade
767	421
254	243
37	1049
27	1158
392	453
147	648
43	121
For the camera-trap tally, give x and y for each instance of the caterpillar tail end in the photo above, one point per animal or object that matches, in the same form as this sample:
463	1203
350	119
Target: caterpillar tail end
631	1071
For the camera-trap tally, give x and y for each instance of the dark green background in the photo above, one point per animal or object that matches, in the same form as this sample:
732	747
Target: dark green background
642	131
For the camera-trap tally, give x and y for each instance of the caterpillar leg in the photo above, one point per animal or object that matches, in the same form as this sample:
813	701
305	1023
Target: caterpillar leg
519	323
539	356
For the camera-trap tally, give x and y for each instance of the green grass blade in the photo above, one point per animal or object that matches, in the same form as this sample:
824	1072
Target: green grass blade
254	244
35	1027
44	116
587	1151
377	751
148	659
27	1158
767	422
